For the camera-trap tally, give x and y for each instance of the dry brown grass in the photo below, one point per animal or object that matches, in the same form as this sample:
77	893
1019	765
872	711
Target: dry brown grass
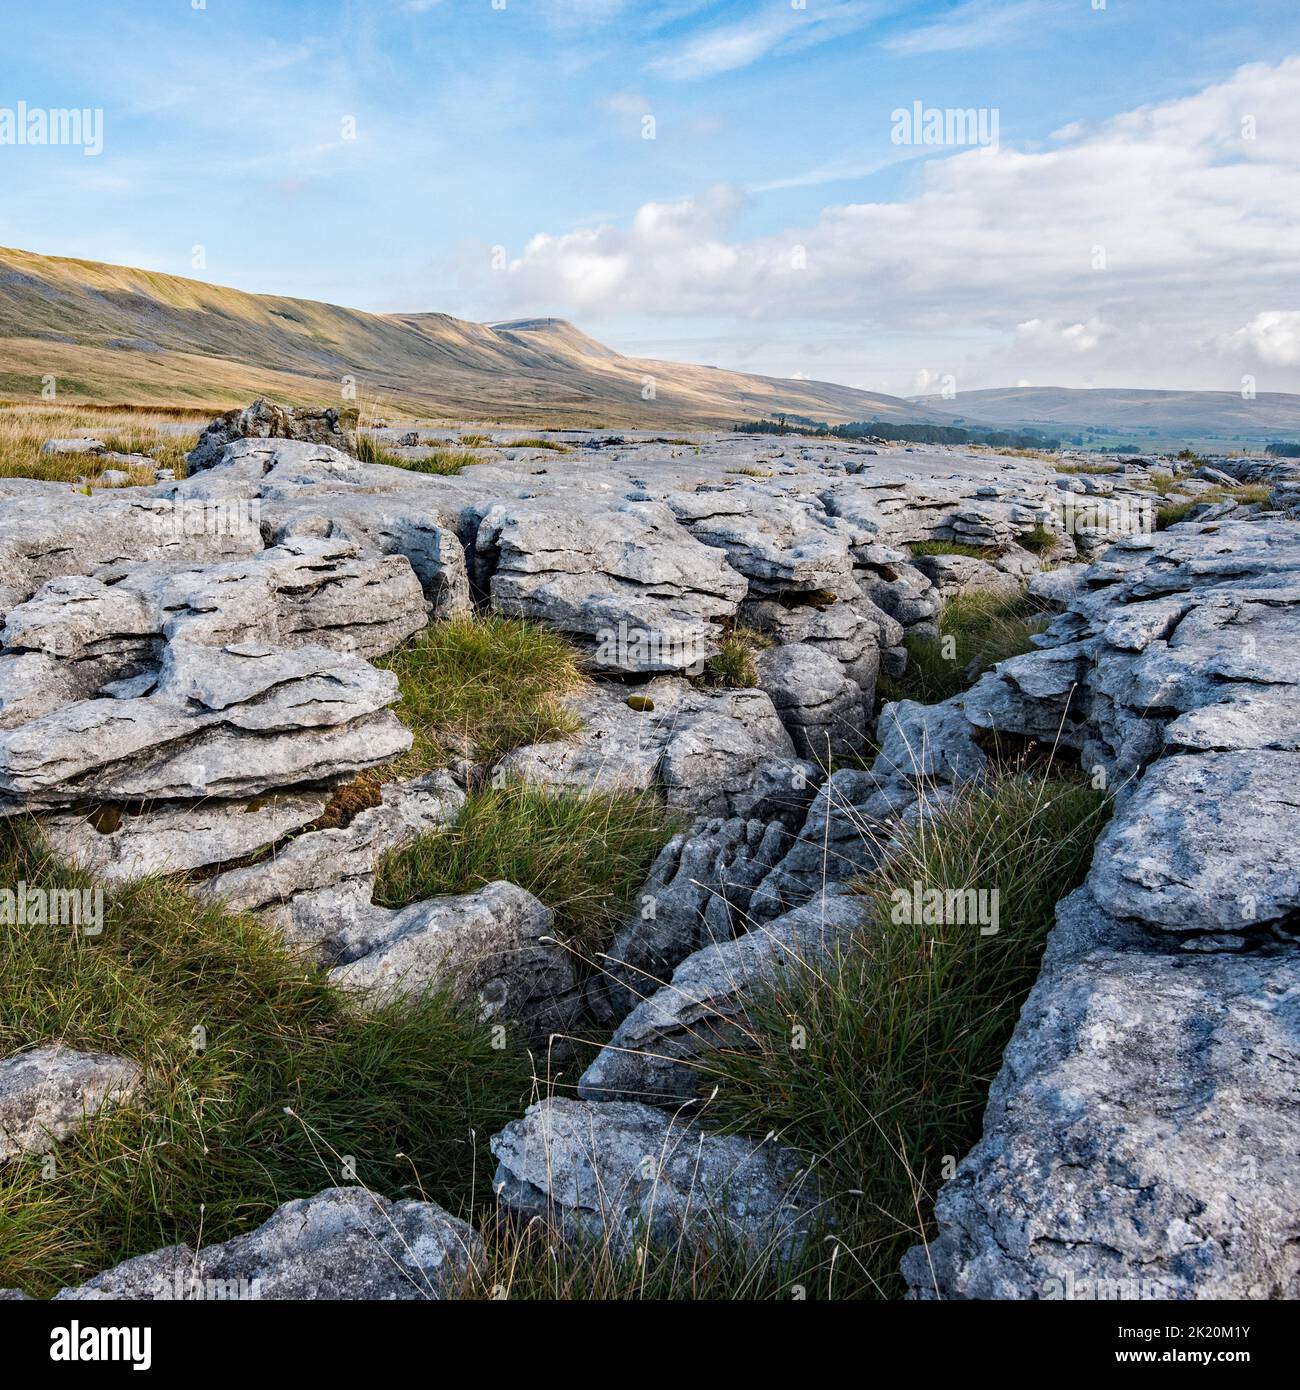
25	428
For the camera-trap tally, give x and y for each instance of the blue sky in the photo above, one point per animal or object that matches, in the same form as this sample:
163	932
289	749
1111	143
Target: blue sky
490	161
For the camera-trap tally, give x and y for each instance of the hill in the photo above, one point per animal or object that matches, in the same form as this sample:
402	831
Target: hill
1182	414
112	334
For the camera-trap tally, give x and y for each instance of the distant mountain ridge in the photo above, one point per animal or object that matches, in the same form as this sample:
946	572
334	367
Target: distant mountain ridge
1058	409
112	334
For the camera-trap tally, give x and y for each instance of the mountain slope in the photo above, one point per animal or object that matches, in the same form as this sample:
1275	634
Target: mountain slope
1170	412
111	333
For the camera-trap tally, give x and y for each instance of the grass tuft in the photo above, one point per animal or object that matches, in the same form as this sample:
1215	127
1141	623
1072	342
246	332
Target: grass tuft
973	552
977	630
537	442
443	463
478	687
733	667
583	855
906	1027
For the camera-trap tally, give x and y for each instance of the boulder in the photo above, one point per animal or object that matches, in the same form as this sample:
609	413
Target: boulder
654	1053
697	894
262	420
822	709
345	1243
48	1093
496	943
621	1175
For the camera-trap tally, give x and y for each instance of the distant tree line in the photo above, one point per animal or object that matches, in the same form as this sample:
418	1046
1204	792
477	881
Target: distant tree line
900	433
1282	449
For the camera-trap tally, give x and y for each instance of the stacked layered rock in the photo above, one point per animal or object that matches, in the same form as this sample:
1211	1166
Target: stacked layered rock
1141	1138
183	694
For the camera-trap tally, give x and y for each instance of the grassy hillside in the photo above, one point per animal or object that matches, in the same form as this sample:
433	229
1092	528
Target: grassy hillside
111	334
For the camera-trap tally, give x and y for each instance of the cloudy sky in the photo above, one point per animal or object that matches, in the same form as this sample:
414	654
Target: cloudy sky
726	181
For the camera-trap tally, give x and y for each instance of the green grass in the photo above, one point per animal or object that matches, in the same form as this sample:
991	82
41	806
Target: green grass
906	1027
982	628
1040	539
973	552
1087	468
583	855
289	1082
537	442
733	667
1247	494
24	429
1174	512
443	463
478	687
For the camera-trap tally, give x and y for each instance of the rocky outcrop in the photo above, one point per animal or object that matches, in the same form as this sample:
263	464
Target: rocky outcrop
262	420
821	707
1140	1139
496	943
697	894
144	683
626	583
654	1055
709	752
48	1093
344	1243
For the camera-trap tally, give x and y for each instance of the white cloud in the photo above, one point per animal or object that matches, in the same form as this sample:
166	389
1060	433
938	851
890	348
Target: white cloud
777	28
971	25
1078	337
1136	244
1273	337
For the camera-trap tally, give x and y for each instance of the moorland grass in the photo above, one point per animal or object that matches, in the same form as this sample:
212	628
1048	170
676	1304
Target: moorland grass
442	463
977	630
258	1081
903	1030
583	854
733	668
973	552
24	429
478	687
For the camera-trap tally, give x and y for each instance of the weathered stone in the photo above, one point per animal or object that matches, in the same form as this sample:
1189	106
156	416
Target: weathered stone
344	1243
48	1093
1207	843
821	708
653	1055
262	420
621	1174
1139	1142
697	893
627	583
115	844
706	750
496	943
